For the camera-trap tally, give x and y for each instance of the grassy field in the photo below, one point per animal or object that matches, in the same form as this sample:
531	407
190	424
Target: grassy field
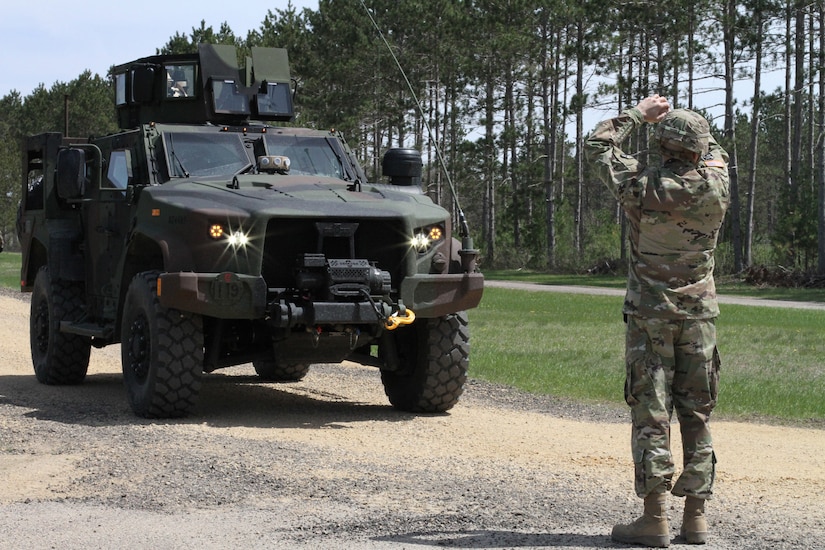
10	269
572	346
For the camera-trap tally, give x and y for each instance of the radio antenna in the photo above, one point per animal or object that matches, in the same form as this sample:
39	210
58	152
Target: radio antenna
466	240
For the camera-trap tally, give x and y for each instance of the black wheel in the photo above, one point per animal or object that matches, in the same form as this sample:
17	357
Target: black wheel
433	355
274	371
161	353
58	358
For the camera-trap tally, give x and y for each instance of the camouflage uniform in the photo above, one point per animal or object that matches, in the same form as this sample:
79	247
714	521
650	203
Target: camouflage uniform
674	213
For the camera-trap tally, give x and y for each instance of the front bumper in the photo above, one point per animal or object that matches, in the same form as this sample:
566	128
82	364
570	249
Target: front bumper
221	295
437	295
237	296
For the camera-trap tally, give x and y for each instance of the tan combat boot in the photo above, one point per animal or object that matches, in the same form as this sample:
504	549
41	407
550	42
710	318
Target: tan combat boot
694	525
649	530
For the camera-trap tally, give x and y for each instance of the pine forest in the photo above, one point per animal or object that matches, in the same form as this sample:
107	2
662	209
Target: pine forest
499	96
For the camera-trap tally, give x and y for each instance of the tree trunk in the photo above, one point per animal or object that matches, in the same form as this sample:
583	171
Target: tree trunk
756	119
798	100
788	97
577	208
691	51
509	168
730	134
811	161
489	169
820	145
549	97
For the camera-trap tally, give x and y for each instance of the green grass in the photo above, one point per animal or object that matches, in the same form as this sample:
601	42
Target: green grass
573	346
10	269
772	362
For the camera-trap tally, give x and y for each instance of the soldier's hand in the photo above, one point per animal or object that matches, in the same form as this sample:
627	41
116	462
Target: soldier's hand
653	108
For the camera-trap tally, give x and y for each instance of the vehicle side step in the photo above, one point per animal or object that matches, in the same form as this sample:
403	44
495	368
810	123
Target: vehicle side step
92	330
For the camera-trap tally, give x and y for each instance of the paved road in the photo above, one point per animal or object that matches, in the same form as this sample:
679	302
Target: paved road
735	300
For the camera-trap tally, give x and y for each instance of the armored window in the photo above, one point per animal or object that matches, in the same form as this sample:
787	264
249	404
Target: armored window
307	155
34	190
120	88
274	101
203	154
120	169
227	99
180	80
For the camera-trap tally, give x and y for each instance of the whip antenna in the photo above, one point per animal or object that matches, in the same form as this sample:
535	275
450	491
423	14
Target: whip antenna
466	240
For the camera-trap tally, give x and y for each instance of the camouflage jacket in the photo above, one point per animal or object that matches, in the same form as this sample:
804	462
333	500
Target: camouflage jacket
675	212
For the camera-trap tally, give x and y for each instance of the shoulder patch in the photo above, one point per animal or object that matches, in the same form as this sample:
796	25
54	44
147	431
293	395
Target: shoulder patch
715	163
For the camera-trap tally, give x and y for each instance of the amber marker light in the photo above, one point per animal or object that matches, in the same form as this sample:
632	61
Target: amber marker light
216	231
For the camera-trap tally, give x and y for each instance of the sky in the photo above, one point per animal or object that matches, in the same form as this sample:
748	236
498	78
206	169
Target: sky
55	41
48	41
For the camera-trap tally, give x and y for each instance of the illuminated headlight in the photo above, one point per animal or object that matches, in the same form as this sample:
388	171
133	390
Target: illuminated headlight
236	239
427	237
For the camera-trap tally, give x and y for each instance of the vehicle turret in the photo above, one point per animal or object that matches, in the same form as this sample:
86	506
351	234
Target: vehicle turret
208	86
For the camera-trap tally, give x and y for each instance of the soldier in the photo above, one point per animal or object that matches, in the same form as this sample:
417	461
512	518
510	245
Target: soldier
675	211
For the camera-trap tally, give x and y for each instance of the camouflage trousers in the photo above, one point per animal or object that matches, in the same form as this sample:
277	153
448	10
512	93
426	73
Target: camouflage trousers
672	364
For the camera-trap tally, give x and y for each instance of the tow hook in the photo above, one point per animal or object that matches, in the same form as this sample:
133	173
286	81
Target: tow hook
395	320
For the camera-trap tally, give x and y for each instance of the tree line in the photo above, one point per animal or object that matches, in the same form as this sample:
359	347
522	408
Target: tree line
499	96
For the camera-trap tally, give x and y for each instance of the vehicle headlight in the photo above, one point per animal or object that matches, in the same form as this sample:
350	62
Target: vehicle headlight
238	239
425	238
235	239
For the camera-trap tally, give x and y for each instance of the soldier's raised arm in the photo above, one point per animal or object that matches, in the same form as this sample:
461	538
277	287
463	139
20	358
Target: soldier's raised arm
603	148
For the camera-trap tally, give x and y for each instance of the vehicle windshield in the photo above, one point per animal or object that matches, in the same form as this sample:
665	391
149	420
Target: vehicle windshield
308	155
200	154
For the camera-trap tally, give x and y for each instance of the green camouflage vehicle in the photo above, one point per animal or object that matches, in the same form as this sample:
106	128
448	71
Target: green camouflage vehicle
200	237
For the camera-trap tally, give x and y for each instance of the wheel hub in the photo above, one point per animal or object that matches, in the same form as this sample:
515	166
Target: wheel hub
139	348
41	326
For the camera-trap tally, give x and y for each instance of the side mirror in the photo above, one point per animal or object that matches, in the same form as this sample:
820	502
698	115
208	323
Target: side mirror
402	166
71	174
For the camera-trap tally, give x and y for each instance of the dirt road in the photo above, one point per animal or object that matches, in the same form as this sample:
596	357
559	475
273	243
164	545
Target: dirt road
326	463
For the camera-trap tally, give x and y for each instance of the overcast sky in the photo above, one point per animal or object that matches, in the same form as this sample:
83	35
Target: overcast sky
46	41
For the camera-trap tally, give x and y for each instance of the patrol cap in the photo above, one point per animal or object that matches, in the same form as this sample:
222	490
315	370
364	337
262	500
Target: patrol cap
684	129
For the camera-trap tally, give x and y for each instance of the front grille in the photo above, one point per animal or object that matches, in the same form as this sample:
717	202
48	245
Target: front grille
382	242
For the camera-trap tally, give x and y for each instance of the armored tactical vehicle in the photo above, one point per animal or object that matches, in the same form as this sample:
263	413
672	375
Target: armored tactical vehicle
204	235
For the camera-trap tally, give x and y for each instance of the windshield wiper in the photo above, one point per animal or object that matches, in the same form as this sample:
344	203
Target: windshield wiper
246	169
346	175
175	157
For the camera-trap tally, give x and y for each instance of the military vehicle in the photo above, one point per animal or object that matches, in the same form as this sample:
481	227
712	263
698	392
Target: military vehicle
205	235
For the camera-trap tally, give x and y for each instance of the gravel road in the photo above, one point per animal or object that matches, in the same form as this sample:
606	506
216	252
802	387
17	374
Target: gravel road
326	463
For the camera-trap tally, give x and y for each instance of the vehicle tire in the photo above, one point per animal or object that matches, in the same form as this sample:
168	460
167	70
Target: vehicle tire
434	356
59	358
274	371
161	352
